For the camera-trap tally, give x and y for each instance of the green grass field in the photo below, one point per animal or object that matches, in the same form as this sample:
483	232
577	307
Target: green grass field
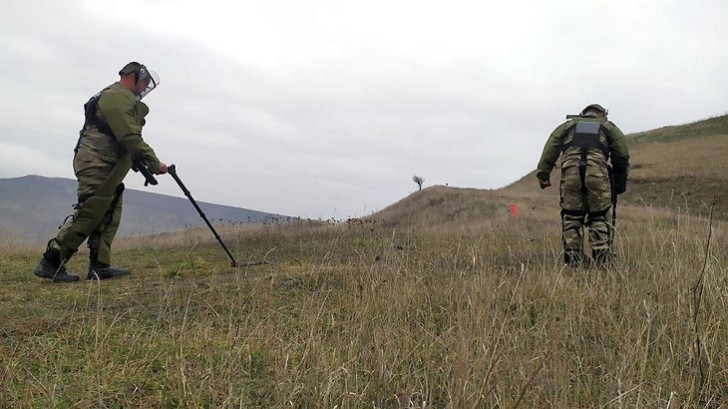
359	315
442	300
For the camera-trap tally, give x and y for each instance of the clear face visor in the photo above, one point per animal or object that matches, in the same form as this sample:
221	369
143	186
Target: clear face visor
147	81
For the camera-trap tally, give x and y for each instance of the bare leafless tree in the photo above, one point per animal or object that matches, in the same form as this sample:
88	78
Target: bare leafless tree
419	180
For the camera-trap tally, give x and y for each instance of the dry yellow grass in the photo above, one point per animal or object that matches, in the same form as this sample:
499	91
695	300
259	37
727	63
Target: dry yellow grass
374	315
444	300
677	167
689	173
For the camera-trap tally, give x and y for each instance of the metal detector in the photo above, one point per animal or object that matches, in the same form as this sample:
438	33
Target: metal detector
613	222
172	170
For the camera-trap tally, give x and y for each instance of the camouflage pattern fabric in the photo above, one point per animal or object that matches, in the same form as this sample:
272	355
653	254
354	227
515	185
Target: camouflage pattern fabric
585	205
119	109
97	215
585	192
101	162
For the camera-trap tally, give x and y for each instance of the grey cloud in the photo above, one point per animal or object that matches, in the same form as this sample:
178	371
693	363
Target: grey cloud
340	129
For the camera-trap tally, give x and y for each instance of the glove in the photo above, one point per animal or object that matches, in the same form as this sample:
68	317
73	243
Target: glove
544	183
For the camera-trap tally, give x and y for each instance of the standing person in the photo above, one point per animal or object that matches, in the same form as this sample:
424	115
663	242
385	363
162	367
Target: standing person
586	143
109	142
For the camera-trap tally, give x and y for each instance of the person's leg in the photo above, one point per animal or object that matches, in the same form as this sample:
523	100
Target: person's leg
95	199
572	215
572	228
51	266
100	241
599	199
598	228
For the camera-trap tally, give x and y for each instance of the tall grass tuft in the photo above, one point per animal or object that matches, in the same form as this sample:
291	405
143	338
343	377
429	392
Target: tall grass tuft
350	315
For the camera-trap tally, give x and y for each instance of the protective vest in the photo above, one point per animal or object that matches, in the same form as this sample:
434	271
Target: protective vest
586	138
92	120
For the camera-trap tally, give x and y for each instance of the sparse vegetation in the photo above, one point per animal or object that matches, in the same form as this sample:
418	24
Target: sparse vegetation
443	300
712	126
678	167
419	180
483	316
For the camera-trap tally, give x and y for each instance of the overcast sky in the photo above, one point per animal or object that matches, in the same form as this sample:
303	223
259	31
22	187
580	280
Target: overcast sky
328	108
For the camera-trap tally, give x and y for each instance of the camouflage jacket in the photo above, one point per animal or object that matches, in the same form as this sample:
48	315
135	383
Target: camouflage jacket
116	128
611	140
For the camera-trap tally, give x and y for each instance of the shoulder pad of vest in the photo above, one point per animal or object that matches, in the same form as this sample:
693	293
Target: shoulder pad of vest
568	124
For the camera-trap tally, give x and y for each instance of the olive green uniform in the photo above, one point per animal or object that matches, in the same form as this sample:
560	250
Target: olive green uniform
110	140
586	191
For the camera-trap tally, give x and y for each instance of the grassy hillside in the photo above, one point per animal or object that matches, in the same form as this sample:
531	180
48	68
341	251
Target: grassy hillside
678	168
672	167
443	300
359	316
681	167
706	127
691	173
443	207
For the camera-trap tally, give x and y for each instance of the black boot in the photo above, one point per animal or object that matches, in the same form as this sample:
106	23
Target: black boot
573	258
50	267
103	271
603	257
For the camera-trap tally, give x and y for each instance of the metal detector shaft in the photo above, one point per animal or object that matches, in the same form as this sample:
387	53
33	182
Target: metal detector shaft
173	171
613	224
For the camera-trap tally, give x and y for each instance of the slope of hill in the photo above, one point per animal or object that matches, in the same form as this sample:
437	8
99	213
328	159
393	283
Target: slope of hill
689	172
32	208
439	205
675	167
712	126
359	317
671	167
681	166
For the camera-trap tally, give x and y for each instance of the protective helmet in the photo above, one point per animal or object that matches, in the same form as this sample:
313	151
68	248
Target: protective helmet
145	79
595	107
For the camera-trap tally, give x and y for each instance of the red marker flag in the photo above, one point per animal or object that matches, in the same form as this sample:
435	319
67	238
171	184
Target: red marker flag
514	210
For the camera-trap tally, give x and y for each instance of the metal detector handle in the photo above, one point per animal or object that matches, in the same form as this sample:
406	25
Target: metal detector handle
139	166
172	170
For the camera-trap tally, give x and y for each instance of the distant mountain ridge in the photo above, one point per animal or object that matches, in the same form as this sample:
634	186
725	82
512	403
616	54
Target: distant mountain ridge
32	207
674	167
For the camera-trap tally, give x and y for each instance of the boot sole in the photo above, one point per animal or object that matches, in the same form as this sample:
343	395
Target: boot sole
57	278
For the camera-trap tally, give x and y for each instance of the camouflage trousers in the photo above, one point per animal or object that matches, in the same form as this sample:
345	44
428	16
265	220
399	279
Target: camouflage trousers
98	212
585	201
